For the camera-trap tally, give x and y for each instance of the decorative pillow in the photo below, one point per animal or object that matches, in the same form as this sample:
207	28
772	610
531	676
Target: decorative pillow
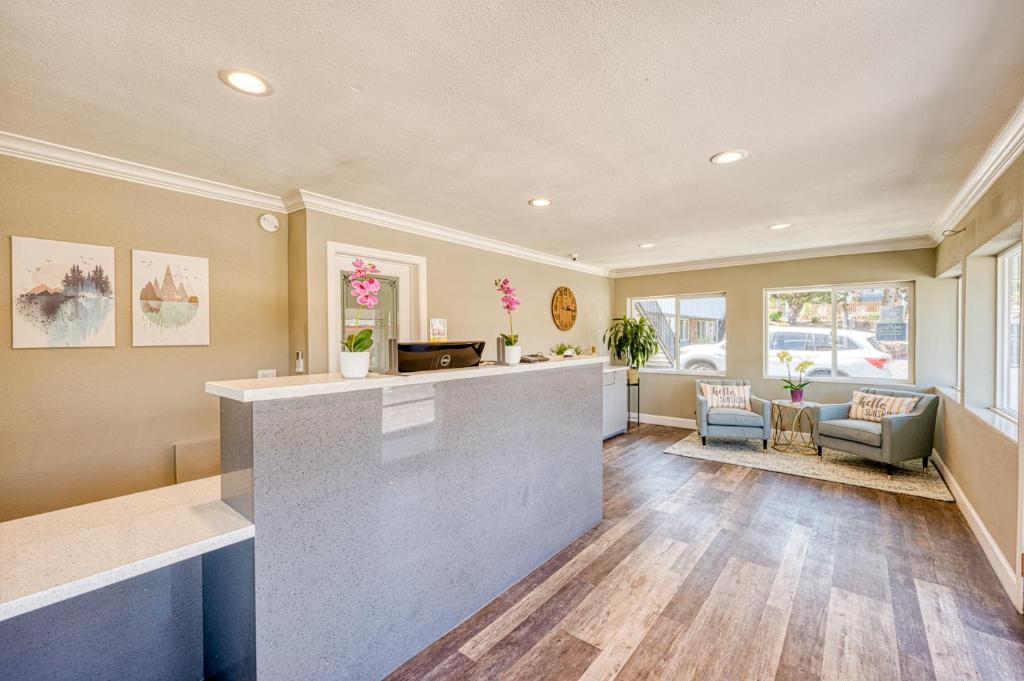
868	407
729	396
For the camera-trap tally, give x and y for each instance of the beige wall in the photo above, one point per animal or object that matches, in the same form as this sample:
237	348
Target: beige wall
77	425
934	333
985	463
459	287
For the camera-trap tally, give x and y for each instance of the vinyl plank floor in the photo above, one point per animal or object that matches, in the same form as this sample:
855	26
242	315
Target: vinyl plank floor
707	571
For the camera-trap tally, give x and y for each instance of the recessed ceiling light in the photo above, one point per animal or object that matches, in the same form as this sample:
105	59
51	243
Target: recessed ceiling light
731	156
781	225
246	82
645	245
539	202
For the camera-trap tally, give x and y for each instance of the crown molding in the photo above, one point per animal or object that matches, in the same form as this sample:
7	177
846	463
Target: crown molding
903	244
98	164
1004	150
301	199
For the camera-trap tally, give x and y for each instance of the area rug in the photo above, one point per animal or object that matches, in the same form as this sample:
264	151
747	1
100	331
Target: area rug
833	466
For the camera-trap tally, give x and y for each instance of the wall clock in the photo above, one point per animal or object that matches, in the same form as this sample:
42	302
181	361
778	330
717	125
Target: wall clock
563	308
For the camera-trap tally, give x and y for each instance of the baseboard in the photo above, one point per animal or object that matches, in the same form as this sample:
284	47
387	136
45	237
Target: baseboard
671	421
1005	572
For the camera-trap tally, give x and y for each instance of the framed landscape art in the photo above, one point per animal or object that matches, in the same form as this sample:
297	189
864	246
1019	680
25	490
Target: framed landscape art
62	294
170	299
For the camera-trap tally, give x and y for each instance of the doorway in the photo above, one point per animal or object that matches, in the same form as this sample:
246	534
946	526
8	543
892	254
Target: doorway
401	313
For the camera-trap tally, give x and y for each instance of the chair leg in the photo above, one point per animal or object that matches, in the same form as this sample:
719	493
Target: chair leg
819	450
888	469
764	443
924	462
703	441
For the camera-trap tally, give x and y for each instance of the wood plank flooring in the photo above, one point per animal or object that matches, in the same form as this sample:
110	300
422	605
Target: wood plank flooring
703	571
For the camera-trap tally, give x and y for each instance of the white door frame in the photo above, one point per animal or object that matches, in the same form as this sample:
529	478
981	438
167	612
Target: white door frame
339	256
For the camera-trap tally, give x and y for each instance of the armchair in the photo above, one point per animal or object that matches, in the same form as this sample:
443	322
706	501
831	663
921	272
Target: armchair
733	423
897	438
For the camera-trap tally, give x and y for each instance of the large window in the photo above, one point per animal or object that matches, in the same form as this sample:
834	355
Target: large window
1008	336
860	332
690	329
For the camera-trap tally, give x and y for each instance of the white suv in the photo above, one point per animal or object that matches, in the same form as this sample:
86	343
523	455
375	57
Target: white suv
858	353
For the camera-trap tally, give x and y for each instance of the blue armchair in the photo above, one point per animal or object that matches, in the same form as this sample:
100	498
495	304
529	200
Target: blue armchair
897	438
733	423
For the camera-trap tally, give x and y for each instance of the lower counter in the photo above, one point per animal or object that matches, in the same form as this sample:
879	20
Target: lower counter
386	516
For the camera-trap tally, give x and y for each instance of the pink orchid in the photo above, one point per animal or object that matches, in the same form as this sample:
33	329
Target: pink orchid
361	269
364	292
509	302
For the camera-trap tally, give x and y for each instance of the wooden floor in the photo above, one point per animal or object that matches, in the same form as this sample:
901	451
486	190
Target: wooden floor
707	571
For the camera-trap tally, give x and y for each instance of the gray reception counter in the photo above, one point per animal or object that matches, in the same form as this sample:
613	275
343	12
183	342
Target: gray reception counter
389	509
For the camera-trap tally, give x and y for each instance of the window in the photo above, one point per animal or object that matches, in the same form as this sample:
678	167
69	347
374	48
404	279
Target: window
690	330
1008	331
843	331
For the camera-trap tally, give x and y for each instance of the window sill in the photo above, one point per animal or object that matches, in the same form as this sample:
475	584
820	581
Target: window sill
681	372
1004	425
949	391
852	380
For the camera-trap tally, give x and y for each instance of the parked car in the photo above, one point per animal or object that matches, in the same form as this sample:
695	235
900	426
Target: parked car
858	353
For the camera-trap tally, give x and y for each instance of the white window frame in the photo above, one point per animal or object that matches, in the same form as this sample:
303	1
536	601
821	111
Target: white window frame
834	378
1002	333
631	310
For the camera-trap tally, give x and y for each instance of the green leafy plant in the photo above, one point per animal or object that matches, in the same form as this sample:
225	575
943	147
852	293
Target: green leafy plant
801	367
775	315
631	340
563	348
510	338
360	341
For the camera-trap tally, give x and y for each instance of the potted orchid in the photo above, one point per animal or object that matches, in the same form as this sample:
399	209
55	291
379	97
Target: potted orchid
355	349
795	388
509	303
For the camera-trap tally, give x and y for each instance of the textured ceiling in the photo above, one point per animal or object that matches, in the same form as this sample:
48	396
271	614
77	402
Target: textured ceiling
862	118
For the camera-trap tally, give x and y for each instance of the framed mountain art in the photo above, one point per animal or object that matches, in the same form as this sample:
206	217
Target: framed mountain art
62	294
170	299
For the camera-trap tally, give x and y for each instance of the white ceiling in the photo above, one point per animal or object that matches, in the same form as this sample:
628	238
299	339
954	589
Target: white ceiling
862	118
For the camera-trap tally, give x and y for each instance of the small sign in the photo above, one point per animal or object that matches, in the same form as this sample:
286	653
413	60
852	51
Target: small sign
891	313
891	331
438	330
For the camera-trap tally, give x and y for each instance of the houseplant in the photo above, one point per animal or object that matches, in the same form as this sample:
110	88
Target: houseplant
509	303
567	349
631	340
355	349
795	388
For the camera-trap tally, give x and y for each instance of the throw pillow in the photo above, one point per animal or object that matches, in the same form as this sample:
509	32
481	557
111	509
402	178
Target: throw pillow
728	396
868	407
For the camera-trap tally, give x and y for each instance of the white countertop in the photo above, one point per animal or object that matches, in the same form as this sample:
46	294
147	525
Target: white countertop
54	556
259	389
612	368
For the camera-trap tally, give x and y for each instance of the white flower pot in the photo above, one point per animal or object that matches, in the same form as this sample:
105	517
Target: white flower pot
354	364
513	353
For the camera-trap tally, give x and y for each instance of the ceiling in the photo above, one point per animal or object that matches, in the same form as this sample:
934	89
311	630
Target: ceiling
862	119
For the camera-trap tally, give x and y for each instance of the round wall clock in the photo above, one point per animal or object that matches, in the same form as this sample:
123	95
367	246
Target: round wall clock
563	308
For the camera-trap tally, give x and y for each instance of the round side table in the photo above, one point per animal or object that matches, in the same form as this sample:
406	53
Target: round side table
792	423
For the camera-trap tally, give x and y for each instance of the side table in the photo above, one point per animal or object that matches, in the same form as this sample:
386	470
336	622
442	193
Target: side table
792	425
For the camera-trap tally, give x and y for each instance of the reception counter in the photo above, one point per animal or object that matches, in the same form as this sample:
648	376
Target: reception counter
389	509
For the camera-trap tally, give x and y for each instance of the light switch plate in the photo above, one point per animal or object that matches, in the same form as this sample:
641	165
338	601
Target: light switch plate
266	373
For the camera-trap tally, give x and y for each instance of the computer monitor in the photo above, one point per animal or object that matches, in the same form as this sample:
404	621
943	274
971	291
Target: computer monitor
432	356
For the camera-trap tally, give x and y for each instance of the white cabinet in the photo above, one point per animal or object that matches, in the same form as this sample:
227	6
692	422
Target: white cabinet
614	401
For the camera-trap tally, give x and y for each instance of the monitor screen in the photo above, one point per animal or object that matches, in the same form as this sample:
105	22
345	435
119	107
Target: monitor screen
432	356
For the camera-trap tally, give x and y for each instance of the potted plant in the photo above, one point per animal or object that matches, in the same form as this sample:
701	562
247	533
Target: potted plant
567	350
795	388
509	303
355	349
631	340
